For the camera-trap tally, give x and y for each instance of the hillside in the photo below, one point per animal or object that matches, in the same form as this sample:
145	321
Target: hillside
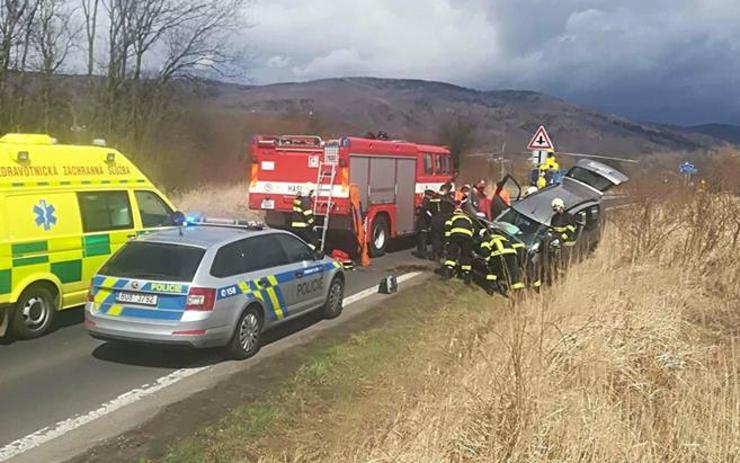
727	132
415	109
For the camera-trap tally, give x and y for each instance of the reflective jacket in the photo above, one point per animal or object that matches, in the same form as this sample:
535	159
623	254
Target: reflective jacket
496	245
460	225
302	216
564	226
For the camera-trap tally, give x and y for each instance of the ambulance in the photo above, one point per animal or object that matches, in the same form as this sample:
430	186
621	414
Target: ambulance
391	176
64	210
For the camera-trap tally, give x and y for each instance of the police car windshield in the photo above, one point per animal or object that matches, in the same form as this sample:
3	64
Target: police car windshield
154	261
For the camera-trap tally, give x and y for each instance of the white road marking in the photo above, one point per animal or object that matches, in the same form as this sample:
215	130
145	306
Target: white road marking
61	428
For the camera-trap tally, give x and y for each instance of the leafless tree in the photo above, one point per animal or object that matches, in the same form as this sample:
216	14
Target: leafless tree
90	19
53	36
16	18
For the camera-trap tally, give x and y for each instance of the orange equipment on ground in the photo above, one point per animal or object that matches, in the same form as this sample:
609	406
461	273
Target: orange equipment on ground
358	223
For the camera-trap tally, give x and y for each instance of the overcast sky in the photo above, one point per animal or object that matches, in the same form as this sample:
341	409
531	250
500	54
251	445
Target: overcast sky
674	61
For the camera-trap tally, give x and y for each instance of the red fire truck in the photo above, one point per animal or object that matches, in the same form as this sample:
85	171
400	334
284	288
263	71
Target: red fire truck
391	177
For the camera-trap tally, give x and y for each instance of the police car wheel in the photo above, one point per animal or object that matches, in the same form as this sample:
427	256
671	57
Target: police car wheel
380	233
34	313
246	340
333	305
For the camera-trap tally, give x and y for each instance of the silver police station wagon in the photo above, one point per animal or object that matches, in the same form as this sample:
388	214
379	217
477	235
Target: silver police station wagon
208	285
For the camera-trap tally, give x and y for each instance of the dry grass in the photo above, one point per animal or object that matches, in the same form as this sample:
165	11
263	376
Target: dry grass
230	201
633	357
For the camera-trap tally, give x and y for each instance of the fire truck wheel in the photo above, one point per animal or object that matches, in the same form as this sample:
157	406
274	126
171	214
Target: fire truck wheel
379	236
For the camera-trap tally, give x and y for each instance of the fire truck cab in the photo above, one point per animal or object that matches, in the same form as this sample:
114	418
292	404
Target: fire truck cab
391	176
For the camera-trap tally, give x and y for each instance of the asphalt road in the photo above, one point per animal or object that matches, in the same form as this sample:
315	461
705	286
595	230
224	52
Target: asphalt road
67	373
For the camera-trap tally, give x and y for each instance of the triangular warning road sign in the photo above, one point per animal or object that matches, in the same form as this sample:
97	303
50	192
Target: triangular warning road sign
541	141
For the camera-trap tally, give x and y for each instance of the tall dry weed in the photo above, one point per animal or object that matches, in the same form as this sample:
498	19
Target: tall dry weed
632	357
228	201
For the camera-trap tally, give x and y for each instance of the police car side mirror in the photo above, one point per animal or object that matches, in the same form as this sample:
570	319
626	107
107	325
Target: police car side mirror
179	218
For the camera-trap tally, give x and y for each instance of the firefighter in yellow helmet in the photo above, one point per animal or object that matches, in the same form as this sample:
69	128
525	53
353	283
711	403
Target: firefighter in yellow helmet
459	231
502	261
302	221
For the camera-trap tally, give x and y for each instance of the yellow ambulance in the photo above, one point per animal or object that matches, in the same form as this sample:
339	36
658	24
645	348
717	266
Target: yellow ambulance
63	210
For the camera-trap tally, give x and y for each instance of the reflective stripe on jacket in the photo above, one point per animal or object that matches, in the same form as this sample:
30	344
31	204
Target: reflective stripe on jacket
459	225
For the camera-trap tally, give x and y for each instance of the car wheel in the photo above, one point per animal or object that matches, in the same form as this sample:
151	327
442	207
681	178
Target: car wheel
246	339
379	236
34	313
333	305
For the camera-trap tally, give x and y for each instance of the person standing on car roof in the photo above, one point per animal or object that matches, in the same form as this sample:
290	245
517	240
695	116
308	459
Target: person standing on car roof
302	221
441	211
429	205
459	231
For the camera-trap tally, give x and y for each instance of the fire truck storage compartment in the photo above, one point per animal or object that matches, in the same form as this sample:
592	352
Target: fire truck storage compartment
389	181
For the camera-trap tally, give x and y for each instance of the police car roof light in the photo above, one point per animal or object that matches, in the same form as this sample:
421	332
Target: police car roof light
227	223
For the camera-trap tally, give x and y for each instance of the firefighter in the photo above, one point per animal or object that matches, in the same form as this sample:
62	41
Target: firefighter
542	178
442	211
562	223
302	220
459	231
429	205
484	203
469	201
501	200
503	261
563	230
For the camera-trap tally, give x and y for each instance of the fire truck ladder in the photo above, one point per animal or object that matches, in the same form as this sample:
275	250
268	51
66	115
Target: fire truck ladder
323	205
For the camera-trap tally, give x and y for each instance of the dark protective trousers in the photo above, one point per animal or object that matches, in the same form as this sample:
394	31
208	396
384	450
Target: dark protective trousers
460	254
308	235
506	267
437	235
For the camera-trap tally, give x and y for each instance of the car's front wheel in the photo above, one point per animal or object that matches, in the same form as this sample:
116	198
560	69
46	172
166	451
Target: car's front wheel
333	305
245	342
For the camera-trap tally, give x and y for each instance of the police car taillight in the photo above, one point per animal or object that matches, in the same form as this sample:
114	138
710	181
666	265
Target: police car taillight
201	299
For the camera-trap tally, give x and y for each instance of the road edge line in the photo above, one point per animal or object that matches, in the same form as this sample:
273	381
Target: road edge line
49	433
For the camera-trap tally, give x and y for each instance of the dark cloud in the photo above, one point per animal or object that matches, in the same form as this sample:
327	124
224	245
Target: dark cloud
670	61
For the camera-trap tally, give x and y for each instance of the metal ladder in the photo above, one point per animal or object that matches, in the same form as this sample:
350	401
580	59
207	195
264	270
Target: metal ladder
323	205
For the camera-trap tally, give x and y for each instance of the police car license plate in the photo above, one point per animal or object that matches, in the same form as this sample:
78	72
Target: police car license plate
137	298
268	204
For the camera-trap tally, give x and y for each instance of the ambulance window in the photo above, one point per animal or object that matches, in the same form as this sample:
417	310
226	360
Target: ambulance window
105	210
154	212
428	163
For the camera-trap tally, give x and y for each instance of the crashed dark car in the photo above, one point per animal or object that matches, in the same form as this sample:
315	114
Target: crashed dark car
528	219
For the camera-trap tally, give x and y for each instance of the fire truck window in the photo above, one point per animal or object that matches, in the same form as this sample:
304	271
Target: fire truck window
438	164
428	163
445	160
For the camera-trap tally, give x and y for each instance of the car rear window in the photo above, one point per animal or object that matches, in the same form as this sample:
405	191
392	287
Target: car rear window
590	178
154	261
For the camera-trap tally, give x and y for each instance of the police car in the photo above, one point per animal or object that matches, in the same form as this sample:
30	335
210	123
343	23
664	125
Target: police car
210	285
